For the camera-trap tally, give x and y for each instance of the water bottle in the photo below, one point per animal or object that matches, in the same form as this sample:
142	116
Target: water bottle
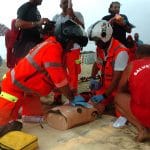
120	122
32	119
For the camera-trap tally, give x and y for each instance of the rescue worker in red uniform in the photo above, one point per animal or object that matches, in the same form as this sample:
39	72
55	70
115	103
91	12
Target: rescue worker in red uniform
38	74
35	109
10	38
72	57
133	98
112	58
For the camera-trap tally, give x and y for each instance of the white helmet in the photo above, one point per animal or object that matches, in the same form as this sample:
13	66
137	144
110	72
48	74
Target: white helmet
101	30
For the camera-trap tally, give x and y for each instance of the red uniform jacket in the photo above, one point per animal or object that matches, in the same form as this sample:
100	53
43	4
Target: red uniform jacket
41	70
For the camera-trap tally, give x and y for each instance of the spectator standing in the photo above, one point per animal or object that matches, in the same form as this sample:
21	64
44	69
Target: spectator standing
137	40
72	57
132	100
29	22
119	22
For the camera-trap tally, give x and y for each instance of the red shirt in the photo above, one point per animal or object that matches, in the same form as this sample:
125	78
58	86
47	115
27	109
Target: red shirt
140	90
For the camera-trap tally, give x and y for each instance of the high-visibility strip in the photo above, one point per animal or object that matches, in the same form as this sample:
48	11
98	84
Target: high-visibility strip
9	97
39	68
52	64
4	76
38	48
63	83
77	61
35	65
18	84
42	70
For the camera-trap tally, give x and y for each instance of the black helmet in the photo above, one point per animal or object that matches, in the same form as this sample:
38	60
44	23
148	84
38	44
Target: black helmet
70	30
48	27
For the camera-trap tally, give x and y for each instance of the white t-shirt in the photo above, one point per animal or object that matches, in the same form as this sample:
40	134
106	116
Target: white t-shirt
121	61
59	18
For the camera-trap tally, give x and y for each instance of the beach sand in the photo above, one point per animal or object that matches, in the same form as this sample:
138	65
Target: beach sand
97	135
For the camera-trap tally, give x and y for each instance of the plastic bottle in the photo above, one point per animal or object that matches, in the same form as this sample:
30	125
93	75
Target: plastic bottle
120	122
32	119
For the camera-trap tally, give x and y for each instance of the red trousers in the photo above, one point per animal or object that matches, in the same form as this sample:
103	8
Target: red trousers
73	67
30	104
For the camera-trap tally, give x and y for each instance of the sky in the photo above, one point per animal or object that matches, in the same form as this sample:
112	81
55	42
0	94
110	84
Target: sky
137	11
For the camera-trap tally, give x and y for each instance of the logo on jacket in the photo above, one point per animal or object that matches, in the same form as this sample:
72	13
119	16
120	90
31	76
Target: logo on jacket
141	69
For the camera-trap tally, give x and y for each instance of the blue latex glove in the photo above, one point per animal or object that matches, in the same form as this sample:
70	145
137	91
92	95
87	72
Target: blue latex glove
97	98
78	98
80	101
94	85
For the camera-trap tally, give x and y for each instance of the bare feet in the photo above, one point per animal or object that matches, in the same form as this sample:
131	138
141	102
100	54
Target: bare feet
143	135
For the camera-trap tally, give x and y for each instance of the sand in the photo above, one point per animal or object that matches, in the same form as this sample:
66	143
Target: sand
97	135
